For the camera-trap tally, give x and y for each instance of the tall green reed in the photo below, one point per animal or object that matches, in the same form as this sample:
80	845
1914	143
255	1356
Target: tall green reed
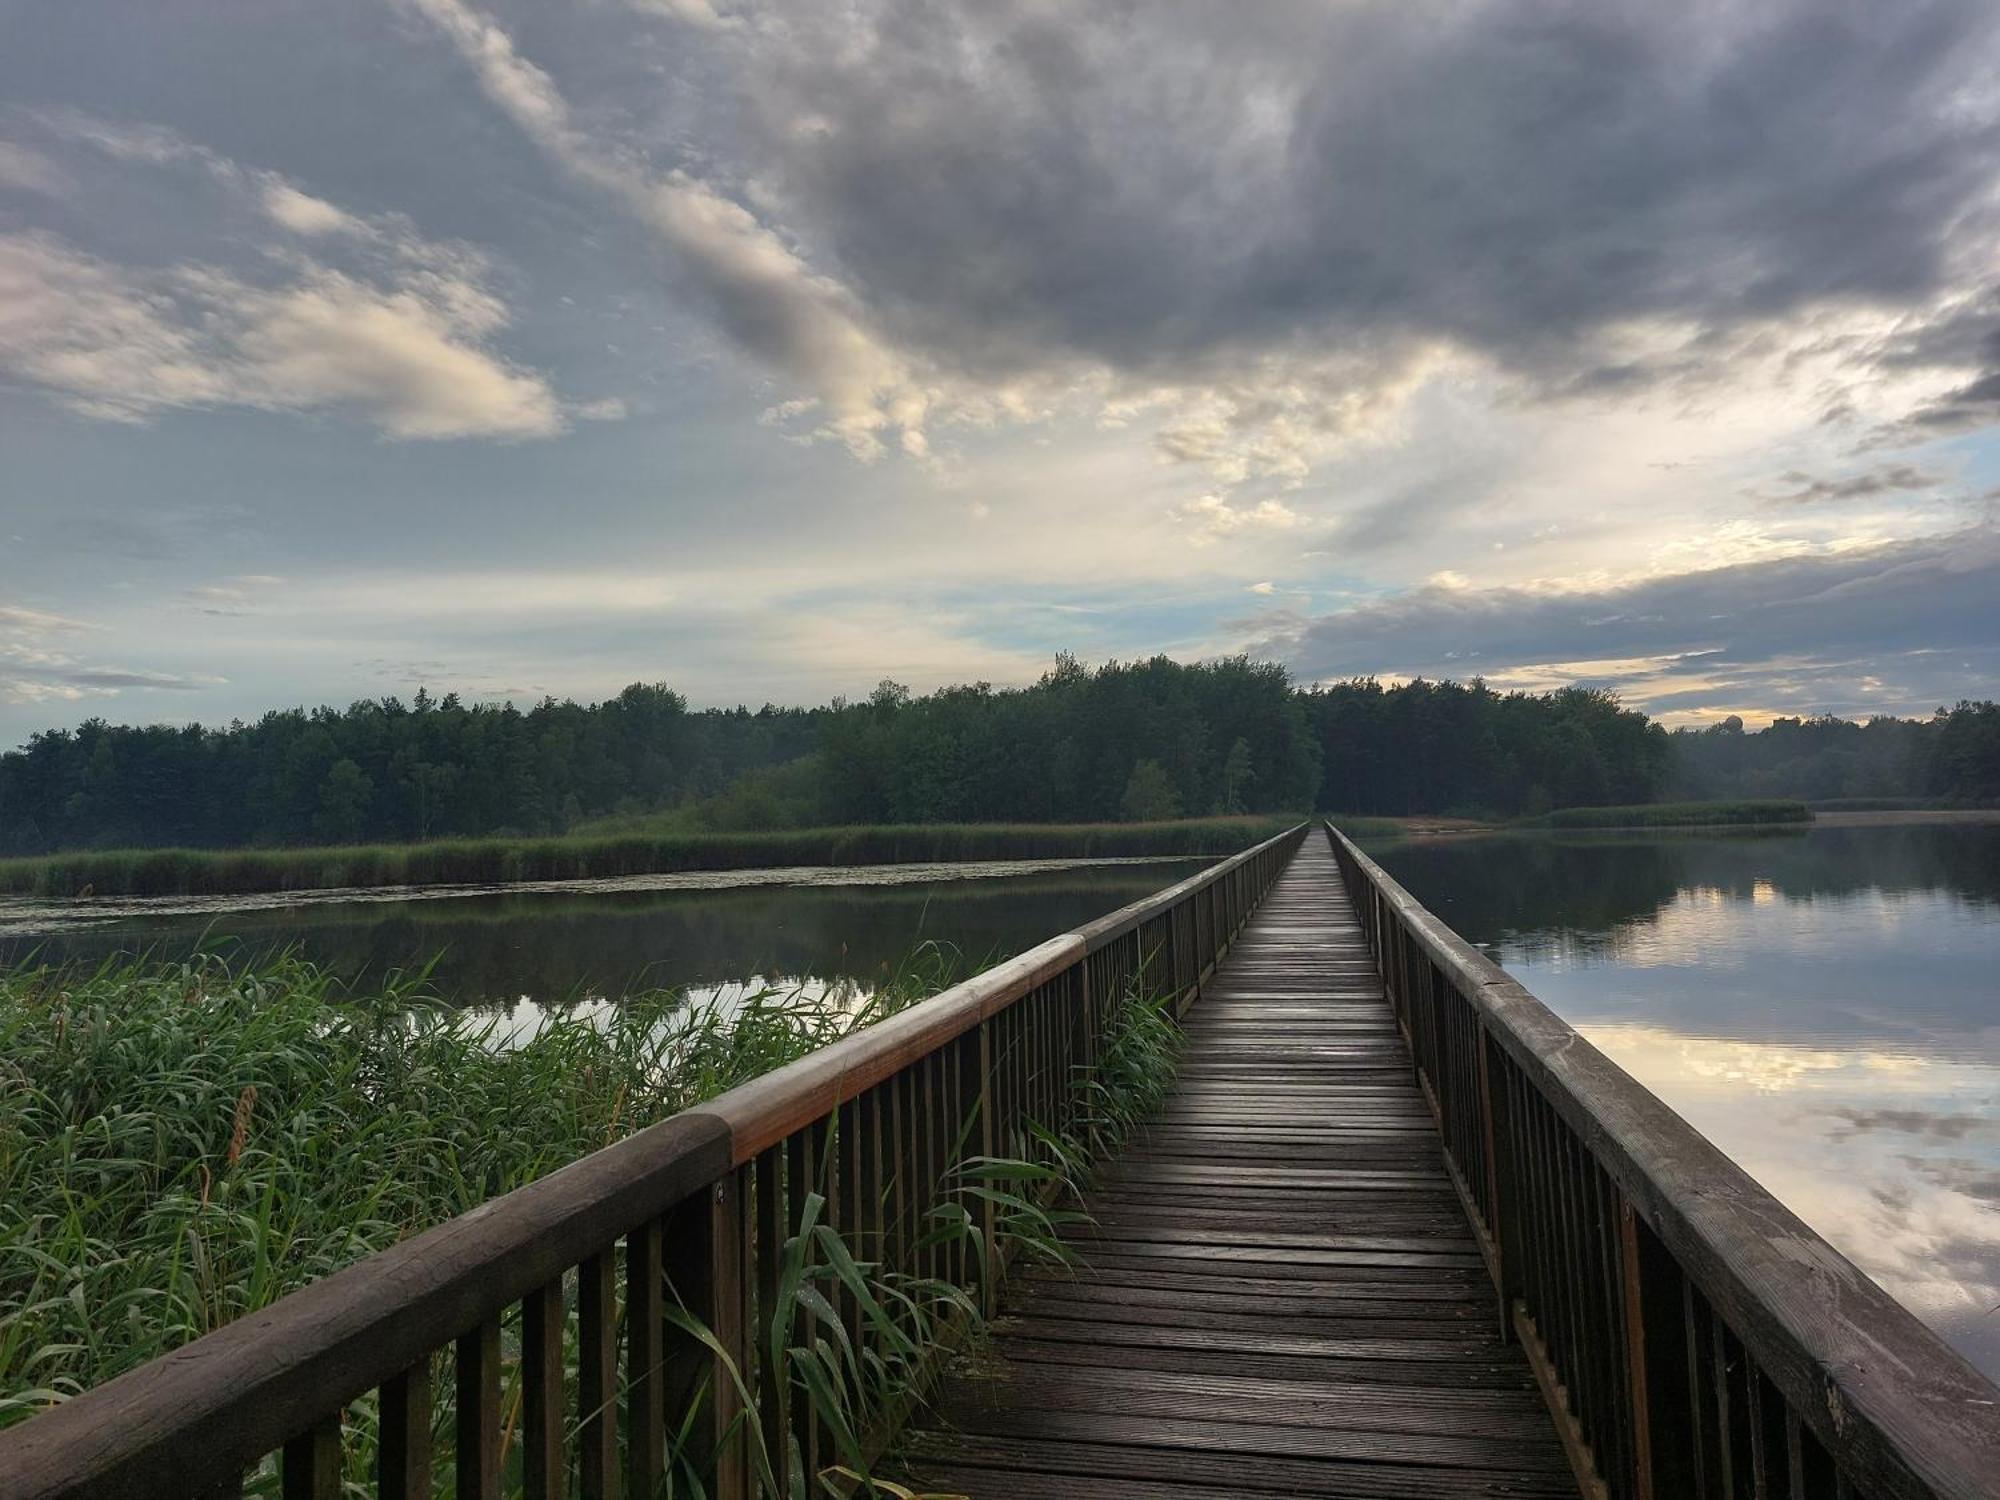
181	1144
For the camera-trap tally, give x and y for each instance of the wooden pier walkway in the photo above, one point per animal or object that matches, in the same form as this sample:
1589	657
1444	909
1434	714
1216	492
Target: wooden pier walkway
1291	1282
1280	1293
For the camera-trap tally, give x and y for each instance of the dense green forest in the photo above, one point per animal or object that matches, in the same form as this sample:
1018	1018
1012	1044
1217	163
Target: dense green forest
1953	756
1143	740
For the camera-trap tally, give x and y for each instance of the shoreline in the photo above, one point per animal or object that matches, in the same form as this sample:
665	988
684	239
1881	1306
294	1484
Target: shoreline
1432	830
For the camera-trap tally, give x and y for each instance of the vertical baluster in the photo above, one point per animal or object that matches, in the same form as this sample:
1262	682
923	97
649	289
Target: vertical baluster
1047	1058
1731	1441
1576	1371
1772	1442
310	1466
1619	1402
478	1358
403	1445
1489	1153
736	1280
597	1378
852	1221
645	1329
1760	1461
701	1265
1808	1466
1548	1299
1664	1453
773	1385
1601	1398
818	1440
978	1055
905	1224
955	1141
875	1161
1703	1435
800	1167
544	1469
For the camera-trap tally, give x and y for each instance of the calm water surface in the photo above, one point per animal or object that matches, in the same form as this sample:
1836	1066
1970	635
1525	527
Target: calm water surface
1823	1005
814	929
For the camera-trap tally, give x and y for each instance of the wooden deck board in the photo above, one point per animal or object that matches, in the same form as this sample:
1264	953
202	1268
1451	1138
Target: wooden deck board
1278	1293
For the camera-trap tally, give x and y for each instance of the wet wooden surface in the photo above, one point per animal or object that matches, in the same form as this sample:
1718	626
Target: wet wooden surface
1279	1294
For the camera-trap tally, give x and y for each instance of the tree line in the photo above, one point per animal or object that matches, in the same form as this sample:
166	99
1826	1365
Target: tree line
1953	756
1137	740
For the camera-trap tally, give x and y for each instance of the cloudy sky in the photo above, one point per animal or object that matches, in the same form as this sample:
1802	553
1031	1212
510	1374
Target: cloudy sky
525	346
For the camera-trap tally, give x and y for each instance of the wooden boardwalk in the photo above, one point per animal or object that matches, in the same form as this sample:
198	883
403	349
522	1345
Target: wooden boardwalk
1280	1294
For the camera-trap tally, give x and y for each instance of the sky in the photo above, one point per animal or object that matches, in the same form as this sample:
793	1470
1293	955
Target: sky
524	347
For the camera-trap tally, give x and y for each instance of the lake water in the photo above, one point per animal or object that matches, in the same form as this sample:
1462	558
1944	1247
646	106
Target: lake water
1824	1006
811	929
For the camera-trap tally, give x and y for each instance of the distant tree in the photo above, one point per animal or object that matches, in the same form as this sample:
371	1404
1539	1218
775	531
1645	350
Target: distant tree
1964	763
346	797
1149	794
1237	774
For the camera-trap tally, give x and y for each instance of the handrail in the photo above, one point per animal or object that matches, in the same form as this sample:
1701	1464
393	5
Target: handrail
703	1204
1692	1334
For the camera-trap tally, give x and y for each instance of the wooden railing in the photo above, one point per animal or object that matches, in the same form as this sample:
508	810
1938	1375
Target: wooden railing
1692	1336
689	1220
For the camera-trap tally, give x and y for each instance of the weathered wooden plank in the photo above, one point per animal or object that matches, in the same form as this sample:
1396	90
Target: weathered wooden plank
1279	1292
1529	1455
1484	1370
1011	1461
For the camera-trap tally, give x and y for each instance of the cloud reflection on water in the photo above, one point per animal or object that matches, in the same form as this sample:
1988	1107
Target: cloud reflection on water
1821	1006
1894	1157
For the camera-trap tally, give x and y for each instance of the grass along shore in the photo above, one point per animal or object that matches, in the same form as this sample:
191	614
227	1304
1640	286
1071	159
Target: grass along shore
1675	815
231	872
181	1144
1752	814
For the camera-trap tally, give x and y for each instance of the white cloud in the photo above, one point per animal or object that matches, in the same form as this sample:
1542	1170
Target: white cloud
127	343
17	617
691	12
302	213
1211	517
379	321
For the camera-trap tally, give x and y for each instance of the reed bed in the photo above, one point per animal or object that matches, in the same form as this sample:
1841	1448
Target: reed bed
605	855
181	1144
1675	815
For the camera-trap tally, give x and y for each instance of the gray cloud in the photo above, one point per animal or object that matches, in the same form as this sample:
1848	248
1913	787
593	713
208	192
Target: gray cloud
1164	187
1921	618
1889	479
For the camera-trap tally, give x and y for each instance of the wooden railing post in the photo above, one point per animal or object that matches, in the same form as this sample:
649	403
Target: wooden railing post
403	1447
1500	1208
1663	1458
309	1468
987	1137
544	1466
645	1337
478	1476
702	1261
596	1379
